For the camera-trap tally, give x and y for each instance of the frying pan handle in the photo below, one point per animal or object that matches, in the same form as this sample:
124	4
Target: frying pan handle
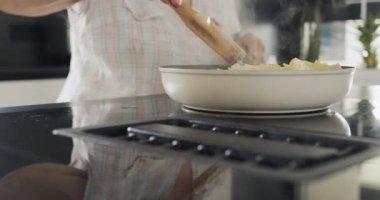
210	33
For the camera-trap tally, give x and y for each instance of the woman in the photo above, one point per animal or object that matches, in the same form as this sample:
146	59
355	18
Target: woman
117	47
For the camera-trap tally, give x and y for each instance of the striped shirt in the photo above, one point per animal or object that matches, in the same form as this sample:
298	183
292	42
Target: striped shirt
118	45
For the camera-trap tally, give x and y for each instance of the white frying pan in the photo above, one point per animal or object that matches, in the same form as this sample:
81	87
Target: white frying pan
213	88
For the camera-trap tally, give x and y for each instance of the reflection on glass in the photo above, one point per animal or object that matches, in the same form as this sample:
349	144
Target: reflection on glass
364	122
126	173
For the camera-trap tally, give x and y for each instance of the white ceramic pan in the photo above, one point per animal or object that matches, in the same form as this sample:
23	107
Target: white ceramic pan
213	88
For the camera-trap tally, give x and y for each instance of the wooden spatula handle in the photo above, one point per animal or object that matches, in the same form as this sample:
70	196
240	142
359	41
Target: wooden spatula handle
210	33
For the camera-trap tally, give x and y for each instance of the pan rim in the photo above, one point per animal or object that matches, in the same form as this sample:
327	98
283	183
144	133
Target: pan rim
221	70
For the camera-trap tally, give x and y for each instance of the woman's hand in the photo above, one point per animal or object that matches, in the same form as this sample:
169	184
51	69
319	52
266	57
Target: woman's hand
34	8
254	48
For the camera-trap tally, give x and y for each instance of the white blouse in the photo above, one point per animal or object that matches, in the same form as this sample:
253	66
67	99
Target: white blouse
118	45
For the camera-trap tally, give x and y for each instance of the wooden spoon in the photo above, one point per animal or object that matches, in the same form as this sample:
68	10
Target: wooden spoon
211	34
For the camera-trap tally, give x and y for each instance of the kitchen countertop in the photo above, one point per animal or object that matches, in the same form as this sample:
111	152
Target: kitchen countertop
26	138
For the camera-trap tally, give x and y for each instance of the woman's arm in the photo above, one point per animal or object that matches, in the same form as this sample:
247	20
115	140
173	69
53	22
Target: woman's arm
34	8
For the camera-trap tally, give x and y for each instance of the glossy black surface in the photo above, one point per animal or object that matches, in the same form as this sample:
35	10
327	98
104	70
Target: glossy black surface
26	138
38	41
33	48
33	72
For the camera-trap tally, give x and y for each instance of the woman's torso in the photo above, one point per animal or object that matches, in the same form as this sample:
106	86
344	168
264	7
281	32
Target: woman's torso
118	45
